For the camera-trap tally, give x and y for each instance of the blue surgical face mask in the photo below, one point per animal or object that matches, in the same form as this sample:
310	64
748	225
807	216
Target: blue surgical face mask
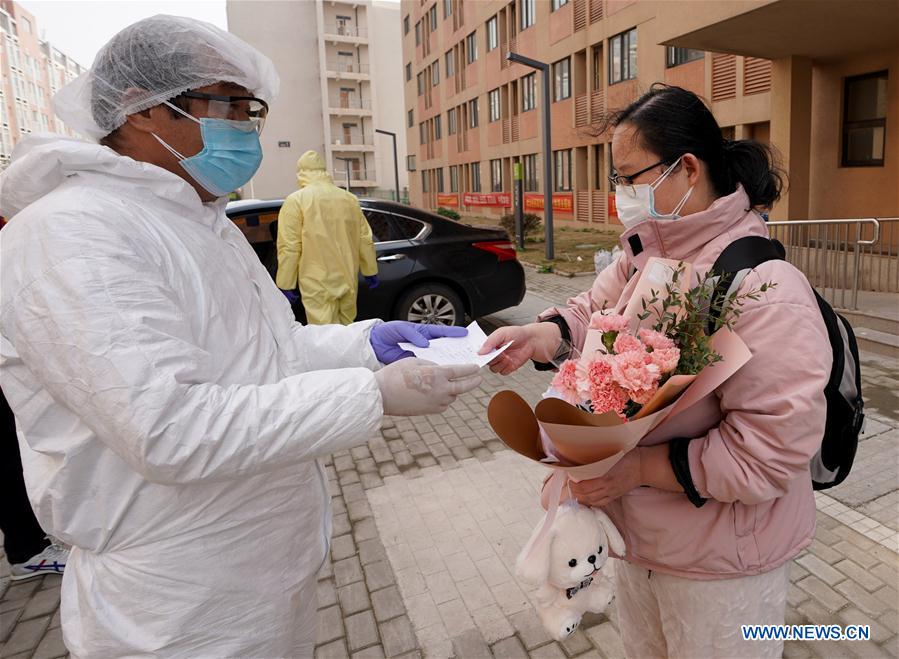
231	153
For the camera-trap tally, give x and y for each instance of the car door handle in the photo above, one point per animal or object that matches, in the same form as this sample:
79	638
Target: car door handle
392	257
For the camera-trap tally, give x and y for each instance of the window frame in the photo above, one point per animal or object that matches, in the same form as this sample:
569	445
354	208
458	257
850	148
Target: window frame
494	104
529	91
438	128
531	181
496	175
528	13
473	119
450	64
564	80
558	4
475	171
406	25
432	17
559	161
471	48
676	56
408	71
492	27
452	124
623	53
846	126
410	119
454	178
435	73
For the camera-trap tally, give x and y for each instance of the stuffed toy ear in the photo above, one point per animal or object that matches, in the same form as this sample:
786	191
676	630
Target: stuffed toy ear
532	564
616	542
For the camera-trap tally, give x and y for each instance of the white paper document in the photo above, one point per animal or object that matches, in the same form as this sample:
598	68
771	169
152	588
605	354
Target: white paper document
457	350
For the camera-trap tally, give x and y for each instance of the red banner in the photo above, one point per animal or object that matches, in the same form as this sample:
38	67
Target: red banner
563	202
499	199
613	210
448	200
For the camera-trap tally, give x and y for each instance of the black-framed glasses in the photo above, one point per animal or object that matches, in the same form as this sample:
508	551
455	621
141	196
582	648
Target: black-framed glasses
235	108
619	179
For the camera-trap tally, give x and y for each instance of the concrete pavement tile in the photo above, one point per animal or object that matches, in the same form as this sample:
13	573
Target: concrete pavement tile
548	651
361	631
820	569
435	642
397	636
460	566
796	650
822	593
576	644
795	595
422	611
371	480
606	638
478	547
825	553
890	620
410	582
347	571
374	652
509	648
886	573
343	463
470	644
26	635
510	597
442	587
864	558
530	629
358	510
18	591
388	469
348	477
447	543
365	529
342	547
429	561
815	614
889	596
327	593
400	556
353	598
493	571
861	598
51	646
330	625
455	617
371	551
340	524
353	493
863	577
852	616
492	623
379	575
475	593
387	603
334	650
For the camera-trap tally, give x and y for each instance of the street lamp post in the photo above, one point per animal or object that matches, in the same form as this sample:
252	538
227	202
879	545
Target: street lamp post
396	166
346	162
547	148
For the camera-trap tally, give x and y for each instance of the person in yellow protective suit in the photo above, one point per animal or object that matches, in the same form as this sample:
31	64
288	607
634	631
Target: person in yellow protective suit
323	242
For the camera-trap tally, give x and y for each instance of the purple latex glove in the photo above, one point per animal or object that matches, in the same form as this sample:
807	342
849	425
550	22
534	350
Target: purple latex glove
372	282
384	338
290	295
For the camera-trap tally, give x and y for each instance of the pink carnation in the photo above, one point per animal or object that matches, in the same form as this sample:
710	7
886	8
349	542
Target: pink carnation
631	371
601	389
566	382
628	343
644	395
665	359
608	322
655	340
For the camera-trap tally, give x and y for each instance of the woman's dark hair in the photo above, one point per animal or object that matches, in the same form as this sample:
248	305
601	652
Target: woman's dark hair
672	121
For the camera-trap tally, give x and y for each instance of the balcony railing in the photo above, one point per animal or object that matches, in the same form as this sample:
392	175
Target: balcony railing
350	103
353	139
347	67
356	175
346	31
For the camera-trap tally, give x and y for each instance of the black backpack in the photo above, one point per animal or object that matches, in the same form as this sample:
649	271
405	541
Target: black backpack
845	408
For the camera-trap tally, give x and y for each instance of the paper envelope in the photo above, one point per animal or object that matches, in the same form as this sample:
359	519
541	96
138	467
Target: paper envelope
591	444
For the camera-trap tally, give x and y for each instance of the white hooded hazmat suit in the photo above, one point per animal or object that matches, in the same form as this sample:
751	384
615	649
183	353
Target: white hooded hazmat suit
170	411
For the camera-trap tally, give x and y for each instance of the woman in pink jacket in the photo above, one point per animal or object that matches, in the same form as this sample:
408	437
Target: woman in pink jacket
712	518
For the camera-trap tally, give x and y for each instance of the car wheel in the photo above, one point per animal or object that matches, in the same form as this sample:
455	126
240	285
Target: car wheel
434	304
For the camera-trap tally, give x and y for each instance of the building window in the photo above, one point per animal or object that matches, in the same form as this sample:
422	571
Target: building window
450	65
411	118
530	173
597	68
425	187
421	83
454	178
678	56
439	173
493	98
475	177
562	79
423	132
410	163
492	34
496	175
529	92
528	13
433	16
623	59
864	120
471	47
408	71
558	4
451	127
406	25
438	131
562	176
473	113
447	8
435	73
418	33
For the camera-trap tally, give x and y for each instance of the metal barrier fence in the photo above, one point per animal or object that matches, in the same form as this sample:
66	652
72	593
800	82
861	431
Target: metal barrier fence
842	257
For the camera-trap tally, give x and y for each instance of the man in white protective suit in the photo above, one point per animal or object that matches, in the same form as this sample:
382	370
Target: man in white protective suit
170	410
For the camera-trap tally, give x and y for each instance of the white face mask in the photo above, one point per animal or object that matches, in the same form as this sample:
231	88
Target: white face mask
636	203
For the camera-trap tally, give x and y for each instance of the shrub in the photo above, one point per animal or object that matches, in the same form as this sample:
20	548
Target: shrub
449	212
530	224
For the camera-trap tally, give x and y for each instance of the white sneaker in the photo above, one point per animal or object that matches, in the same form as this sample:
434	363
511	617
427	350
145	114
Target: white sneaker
50	561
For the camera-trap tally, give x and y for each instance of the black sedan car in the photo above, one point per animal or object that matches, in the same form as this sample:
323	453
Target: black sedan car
432	269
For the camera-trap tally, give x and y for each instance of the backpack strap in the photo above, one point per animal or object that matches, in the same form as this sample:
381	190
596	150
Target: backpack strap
735	262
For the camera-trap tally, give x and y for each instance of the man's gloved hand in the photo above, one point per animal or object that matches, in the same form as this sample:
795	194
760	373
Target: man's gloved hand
384	338
414	386
291	296
372	282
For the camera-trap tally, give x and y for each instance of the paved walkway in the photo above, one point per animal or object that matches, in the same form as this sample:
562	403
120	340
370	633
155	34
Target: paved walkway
429	516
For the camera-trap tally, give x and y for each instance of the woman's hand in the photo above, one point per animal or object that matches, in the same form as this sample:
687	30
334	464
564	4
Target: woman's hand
535	341
619	480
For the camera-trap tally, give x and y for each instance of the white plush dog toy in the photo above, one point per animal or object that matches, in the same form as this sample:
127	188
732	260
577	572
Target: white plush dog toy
565	563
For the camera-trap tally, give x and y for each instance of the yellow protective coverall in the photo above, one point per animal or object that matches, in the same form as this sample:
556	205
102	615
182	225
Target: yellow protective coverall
323	242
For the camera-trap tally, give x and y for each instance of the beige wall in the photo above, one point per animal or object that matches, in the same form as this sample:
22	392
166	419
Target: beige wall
285	32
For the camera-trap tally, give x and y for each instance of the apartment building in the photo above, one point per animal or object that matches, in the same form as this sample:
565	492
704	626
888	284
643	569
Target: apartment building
31	71
823	98
340	80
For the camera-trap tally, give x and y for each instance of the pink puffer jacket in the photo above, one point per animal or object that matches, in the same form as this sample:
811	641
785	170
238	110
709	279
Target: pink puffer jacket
754	437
